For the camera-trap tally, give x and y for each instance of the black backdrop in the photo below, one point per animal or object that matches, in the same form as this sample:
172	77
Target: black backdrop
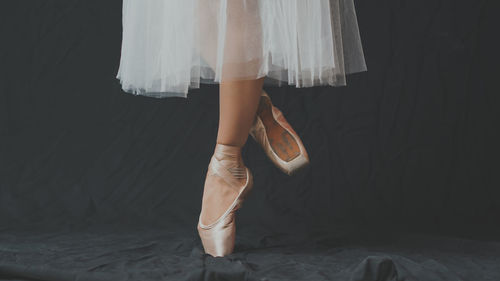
98	184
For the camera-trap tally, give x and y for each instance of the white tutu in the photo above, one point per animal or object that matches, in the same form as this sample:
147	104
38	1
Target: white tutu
171	46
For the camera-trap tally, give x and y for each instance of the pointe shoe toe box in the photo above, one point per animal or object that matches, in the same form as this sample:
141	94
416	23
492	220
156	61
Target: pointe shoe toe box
218	240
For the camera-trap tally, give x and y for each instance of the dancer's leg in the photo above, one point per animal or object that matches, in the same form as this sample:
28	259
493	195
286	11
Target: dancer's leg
238	104
238	99
240	90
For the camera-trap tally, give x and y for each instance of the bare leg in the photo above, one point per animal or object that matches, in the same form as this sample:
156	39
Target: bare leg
238	99
239	90
238	104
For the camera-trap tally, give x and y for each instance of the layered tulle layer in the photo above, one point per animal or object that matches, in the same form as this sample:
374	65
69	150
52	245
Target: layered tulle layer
171	46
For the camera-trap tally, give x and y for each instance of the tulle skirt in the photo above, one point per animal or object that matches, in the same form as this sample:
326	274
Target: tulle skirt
171	46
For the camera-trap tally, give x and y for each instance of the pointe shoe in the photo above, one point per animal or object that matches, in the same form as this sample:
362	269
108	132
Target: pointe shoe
276	136
218	237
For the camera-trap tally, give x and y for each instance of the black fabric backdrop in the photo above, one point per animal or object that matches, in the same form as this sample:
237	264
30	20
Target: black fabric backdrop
98	184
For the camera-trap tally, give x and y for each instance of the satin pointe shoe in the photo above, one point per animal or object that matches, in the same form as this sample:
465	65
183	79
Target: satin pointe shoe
229	182
276	136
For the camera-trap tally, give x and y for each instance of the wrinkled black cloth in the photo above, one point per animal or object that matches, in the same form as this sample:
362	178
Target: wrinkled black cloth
98	184
347	253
